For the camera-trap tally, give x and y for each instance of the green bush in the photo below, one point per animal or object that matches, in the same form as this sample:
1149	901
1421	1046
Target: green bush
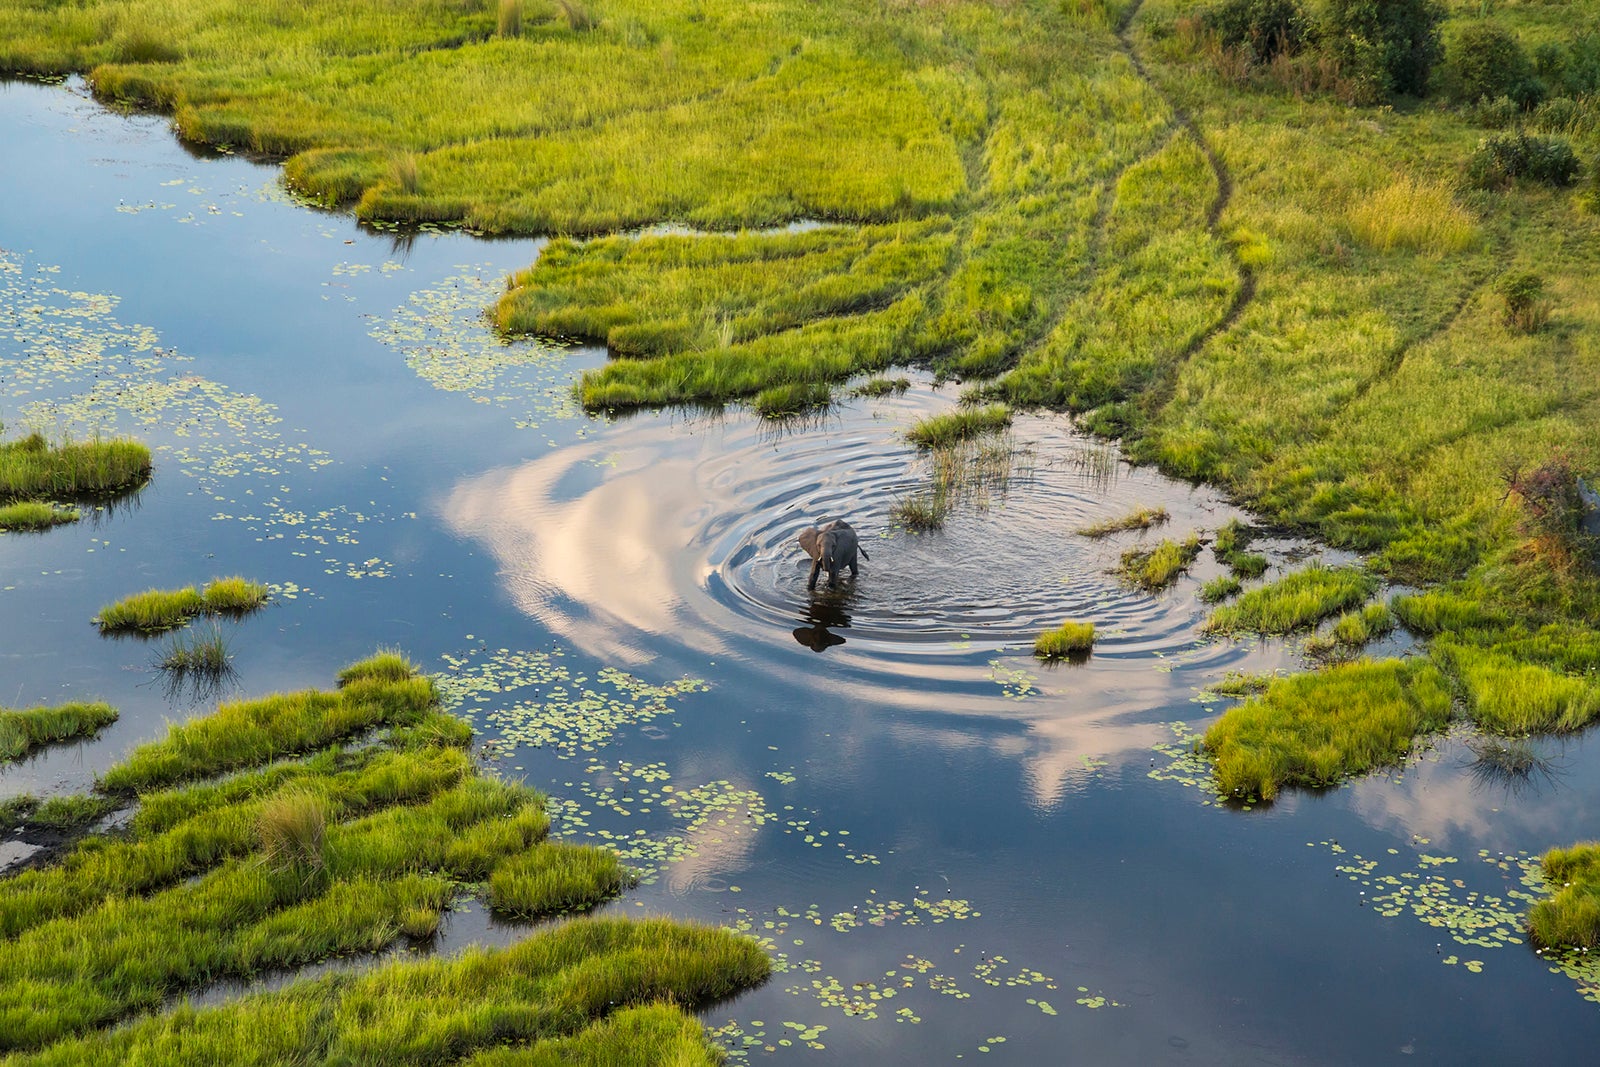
1384	46
1497	114
1500	159
1523	292
1485	61
1267	28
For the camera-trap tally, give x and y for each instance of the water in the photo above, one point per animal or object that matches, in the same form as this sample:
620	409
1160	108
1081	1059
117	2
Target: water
948	843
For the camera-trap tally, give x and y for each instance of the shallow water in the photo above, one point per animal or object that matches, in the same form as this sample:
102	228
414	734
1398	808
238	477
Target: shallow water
954	848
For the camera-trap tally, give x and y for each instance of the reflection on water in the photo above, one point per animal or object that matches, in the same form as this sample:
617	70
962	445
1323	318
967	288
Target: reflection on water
824	613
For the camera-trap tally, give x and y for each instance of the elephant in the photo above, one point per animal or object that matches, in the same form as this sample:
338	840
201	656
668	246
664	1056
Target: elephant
831	546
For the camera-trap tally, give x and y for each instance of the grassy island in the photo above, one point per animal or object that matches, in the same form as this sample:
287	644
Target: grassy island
23	731
1350	282
165	609
282	831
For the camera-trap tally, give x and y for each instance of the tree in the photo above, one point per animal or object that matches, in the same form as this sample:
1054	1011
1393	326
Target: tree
1385	46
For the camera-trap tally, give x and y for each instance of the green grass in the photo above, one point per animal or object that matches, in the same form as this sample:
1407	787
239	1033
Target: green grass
196	654
1069	639
920	512
1294	602
880	387
1219	589
952	427
281	831
1316	729
1509	695
555	877
386	665
25	730
35	515
32	468
798	398
58	814
1138	519
155	610
1230	549
1570	916
1153	569
1351	632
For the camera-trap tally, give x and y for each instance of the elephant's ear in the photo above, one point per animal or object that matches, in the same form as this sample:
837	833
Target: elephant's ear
811	540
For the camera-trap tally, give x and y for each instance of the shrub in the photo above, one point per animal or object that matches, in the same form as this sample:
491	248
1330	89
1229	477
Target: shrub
1265	28
1499	159
1525	309
1069	639
1485	61
1497	114
1384	46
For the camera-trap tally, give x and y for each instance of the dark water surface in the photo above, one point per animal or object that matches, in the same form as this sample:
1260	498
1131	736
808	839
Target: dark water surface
956	851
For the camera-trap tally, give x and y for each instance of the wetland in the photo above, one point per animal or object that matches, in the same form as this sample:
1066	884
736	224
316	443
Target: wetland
1269	815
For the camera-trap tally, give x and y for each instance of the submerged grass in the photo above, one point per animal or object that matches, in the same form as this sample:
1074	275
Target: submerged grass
25	730
1068	639
1138	519
297	846
1315	729
32	468
35	515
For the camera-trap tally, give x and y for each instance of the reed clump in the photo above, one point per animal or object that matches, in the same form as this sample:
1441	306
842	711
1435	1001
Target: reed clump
1316	729
22	731
1070	639
1140	518
951	427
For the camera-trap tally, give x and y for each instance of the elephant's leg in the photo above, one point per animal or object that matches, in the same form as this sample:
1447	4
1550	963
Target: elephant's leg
816	566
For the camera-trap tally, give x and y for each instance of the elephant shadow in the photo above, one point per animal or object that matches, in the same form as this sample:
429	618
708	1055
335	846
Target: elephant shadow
823	615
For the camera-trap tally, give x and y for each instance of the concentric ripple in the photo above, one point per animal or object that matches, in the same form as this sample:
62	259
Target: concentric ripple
669	530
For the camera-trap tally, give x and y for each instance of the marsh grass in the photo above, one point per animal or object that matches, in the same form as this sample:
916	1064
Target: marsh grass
1154	569
22	731
1507	694
387	665
35	515
1294	602
1071	640
56	814
32	468
964	472
952	427
1351	632
1316	729
1512	764
200	655
1231	549
243	858
1570	916
1140	518
920	512
234	596
554	877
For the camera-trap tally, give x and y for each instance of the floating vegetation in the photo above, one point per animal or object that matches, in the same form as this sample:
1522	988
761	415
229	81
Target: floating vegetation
537	700
445	340
72	364
281	831
1295	601
25	730
1153	569
34	515
32	468
1070	639
155	610
1138	519
1317	729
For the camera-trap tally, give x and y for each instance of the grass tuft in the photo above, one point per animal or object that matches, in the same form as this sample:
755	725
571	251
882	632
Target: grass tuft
876	387
199	655
556	877
293	828
1153	569
23	731
951	427
155	610
1416	216
387	665
1219	589
1070	639
792	398
31	468
1137	519
920	512
1570	918
35	515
